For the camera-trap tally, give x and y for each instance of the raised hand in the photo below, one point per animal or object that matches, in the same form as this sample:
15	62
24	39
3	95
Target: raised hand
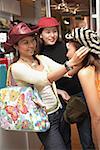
78	56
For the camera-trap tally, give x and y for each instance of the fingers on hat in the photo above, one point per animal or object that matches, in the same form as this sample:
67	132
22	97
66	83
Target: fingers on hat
82	51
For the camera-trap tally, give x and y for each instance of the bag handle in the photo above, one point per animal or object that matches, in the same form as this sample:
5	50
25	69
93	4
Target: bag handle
10	80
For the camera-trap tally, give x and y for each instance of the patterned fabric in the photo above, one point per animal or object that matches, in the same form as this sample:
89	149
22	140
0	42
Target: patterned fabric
18	110
87	37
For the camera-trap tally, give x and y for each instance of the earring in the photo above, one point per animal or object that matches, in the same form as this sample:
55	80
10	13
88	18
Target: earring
41	36
16	52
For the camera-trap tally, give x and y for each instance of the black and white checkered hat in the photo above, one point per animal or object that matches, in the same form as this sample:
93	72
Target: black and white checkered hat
86	37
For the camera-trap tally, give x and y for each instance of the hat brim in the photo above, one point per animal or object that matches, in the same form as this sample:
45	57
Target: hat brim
35	28
8	45
69	36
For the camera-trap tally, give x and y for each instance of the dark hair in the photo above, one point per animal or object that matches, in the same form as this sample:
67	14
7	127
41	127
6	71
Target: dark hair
76	43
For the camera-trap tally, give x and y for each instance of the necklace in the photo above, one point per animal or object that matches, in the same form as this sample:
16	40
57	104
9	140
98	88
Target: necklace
32	64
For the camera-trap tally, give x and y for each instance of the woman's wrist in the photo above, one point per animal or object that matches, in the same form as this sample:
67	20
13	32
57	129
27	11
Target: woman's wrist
68	65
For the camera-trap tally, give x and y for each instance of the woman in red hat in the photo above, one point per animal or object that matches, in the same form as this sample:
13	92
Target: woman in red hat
41	72
89	75
52	47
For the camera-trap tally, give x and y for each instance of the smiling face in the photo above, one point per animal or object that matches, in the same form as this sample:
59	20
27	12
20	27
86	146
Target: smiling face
26	46
49	35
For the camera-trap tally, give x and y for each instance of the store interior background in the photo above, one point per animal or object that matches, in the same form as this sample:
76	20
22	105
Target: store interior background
31	10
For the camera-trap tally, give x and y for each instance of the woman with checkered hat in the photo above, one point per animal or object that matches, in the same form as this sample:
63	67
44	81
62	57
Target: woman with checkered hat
89	74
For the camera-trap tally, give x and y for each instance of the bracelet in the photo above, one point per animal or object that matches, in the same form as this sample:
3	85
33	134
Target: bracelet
67	66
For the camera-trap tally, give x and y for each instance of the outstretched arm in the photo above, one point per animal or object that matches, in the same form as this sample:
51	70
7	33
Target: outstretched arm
77	58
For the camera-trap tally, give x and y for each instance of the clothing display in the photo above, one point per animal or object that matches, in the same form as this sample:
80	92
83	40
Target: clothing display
3	75
4	61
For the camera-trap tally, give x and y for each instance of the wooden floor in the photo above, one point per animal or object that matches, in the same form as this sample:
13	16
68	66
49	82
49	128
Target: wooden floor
75	138
76	141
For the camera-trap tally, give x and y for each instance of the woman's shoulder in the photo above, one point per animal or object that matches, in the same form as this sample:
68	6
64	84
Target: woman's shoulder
18	63
46	61
86	71
43	57
17	66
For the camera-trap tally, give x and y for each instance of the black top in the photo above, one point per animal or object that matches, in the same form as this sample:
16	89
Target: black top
58	53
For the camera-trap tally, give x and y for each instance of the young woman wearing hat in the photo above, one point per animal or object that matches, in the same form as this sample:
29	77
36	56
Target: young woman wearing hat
89	75
41	72
55	49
